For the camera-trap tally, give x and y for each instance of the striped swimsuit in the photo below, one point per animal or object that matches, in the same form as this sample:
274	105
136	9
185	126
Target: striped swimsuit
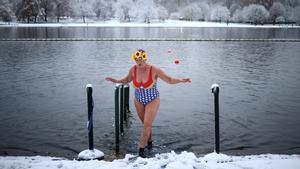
145	92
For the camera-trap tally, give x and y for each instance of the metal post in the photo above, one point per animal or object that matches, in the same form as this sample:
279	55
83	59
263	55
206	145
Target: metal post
216	90
90	105
117	120
122	109
125	98
128	96
91	153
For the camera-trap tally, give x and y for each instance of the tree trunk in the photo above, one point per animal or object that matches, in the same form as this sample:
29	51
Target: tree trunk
57	19
35	19
83	19
45	19
27	19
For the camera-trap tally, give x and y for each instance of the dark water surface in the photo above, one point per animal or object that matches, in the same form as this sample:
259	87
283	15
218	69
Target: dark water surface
43	99
149	32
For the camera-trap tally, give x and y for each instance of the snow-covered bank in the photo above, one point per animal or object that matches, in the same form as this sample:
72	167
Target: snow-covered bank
168	23
186	160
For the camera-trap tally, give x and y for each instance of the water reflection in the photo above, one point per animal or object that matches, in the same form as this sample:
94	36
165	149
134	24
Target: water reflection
149	32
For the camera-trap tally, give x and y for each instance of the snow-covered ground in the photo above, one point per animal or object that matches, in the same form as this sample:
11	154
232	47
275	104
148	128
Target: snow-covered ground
168	23
184	160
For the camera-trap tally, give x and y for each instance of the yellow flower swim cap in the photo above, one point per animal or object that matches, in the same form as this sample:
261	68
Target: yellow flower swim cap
139	53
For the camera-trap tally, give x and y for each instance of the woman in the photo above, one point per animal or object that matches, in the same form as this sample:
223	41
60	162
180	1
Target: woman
146	101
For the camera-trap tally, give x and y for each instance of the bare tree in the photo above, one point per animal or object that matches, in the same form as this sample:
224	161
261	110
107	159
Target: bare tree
46	8
61	8
27	9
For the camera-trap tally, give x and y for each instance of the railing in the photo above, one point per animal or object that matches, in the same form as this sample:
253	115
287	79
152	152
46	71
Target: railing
121	114
121	111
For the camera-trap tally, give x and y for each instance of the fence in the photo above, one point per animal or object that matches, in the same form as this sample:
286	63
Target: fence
121	111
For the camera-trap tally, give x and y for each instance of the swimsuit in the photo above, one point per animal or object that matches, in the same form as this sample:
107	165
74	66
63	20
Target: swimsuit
145	92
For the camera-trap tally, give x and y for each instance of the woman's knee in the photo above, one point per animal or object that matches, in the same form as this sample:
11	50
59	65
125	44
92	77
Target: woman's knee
147	124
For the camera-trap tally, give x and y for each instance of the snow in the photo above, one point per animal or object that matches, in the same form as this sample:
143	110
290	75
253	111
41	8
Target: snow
214	86
89	85
172	160
167	23
90	154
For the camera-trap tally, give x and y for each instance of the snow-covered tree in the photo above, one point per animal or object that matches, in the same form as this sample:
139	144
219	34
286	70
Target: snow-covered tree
61	8
162	13
171	5
233	8
256	14
276	10
192	12
292	3
205	9
102	8
83	8
122	9
220	13
174	16
296	14
144	11
280	19
5	13
238	16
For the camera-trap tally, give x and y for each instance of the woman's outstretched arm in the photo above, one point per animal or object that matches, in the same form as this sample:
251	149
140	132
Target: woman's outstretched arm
161	74
126	79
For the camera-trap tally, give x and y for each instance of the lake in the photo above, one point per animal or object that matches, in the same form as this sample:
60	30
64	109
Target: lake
43	97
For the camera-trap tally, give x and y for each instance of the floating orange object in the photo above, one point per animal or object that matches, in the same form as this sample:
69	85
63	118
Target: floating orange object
176	61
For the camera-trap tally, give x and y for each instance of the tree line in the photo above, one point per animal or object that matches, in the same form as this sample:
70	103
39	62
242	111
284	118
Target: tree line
243	11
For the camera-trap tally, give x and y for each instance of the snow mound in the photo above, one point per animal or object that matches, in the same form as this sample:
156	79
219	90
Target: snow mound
172	160
90	154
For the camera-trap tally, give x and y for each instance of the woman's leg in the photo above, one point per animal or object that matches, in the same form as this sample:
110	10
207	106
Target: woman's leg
151	110
140	108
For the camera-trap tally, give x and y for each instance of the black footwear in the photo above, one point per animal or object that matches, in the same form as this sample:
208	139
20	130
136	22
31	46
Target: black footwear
142	152
150	145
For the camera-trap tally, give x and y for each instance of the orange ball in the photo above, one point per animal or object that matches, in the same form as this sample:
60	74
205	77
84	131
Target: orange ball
176	61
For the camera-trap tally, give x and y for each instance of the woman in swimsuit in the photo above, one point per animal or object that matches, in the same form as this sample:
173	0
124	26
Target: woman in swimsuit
144	77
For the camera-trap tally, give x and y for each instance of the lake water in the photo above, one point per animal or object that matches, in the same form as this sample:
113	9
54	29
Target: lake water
43	97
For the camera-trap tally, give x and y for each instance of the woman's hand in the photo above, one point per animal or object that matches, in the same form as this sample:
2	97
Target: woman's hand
111	79
185	80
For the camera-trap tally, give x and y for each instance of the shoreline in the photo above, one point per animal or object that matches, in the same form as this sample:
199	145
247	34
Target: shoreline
170	160
166	24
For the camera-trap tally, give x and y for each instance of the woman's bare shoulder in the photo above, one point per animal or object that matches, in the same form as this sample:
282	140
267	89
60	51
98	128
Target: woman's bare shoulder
155	68
131	68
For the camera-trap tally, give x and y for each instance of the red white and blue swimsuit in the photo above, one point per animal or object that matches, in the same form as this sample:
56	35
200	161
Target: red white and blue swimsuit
145	92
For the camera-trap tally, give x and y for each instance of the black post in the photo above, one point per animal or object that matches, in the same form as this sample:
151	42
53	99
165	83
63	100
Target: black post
128	96
125	98
216	90
117	121
90	104
122	109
